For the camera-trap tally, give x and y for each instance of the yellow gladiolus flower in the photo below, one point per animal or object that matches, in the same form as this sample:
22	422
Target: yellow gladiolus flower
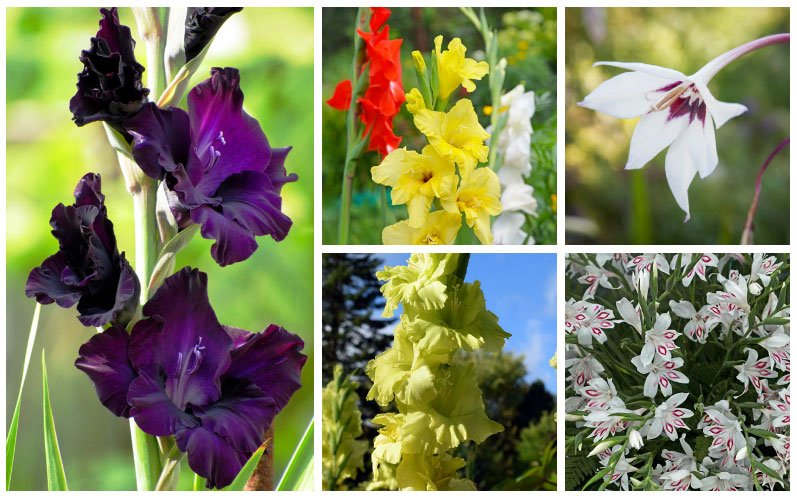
417	179
454	69
479	197
441	227
415	101
456	135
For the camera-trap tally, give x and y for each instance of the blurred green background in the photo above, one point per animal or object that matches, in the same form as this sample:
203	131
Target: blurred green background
527	38
606	204
47	154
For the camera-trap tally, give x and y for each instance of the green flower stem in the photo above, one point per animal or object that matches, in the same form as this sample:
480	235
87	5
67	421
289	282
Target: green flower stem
151	31
462	266
171	470
351	131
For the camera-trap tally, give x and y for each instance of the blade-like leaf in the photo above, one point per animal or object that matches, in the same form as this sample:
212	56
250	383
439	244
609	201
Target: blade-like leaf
56	479
243	476
300	472
11	439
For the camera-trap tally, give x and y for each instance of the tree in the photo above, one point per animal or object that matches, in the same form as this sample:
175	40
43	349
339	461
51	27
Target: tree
353	330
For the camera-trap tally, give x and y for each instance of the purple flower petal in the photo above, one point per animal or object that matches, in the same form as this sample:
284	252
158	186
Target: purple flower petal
272	360
160	139
184	339
201	25
109	87
249	207
241	416
104	359
87	269
151	407
210	456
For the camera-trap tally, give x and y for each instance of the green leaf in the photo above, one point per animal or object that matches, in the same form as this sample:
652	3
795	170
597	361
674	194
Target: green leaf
167	255
56	479
762	433
243	476
299	473
11	440
197	482
766	469
597	477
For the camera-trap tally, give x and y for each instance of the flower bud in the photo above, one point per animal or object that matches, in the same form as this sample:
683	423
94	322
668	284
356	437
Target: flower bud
742	454
635	439
600	448
574	417
755	288
417	59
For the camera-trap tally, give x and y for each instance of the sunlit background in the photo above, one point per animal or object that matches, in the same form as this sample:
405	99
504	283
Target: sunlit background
606	204
47	154
526	38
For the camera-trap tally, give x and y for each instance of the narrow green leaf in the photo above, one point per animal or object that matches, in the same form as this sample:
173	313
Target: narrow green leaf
766	469
11	439
56	479
249	468
300	472
595	478
762	433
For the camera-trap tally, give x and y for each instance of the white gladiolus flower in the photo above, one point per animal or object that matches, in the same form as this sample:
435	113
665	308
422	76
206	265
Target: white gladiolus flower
635	440
677	111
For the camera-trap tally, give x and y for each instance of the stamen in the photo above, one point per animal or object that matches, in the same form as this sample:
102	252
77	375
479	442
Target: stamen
670	98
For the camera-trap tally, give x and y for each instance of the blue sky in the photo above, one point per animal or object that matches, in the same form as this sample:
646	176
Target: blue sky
521	290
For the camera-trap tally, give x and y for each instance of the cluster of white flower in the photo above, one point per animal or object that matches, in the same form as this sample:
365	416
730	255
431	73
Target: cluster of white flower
514	142
679	363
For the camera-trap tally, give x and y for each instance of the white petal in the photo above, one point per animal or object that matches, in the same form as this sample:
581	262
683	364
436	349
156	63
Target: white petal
720	111
626	95
701	144
519	197
652	134
506	228
683	309
651	384
650	69
655	428
677	399
680	171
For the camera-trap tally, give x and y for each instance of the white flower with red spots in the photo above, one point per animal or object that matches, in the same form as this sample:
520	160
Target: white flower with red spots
646	262
669	418
621	469
780	410
641	282
659	341
753	370
608	422
698	327
724	481
699	269
590	323
782	447
735	293
661	375
600	393
678	469
726	434
594	277
631	315
573	308
723	312
582	370
767	480
763	268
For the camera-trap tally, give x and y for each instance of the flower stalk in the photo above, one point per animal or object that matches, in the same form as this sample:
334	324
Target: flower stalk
749	226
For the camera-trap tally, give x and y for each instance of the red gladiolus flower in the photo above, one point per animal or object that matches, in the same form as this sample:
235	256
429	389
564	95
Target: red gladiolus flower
385	93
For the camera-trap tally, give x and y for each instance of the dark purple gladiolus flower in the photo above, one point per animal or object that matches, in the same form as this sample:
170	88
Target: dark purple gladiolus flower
217	164
180	372
87	269
201	25
109	88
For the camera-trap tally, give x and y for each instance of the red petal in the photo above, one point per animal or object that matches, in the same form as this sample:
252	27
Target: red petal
341	99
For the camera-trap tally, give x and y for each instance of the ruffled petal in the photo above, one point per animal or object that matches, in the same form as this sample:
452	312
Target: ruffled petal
45	284
341	99
210	456
183	337
161	139
104	359
273	361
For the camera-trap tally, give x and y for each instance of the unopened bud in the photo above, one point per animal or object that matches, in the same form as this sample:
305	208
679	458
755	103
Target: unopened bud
755	288
600	448
417	59
635	440
742	454
574	417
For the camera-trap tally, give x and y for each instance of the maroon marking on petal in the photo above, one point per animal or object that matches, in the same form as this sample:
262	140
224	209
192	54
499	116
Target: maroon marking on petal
592	393
715	430
667	88
706	258
580	379
664	382
581	317
590	279
596	331
669	365
606	324
603	315
673	375
669	428
662	349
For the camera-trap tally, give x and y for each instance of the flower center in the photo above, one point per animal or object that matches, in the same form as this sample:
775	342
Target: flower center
214	152
681	98
185	366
